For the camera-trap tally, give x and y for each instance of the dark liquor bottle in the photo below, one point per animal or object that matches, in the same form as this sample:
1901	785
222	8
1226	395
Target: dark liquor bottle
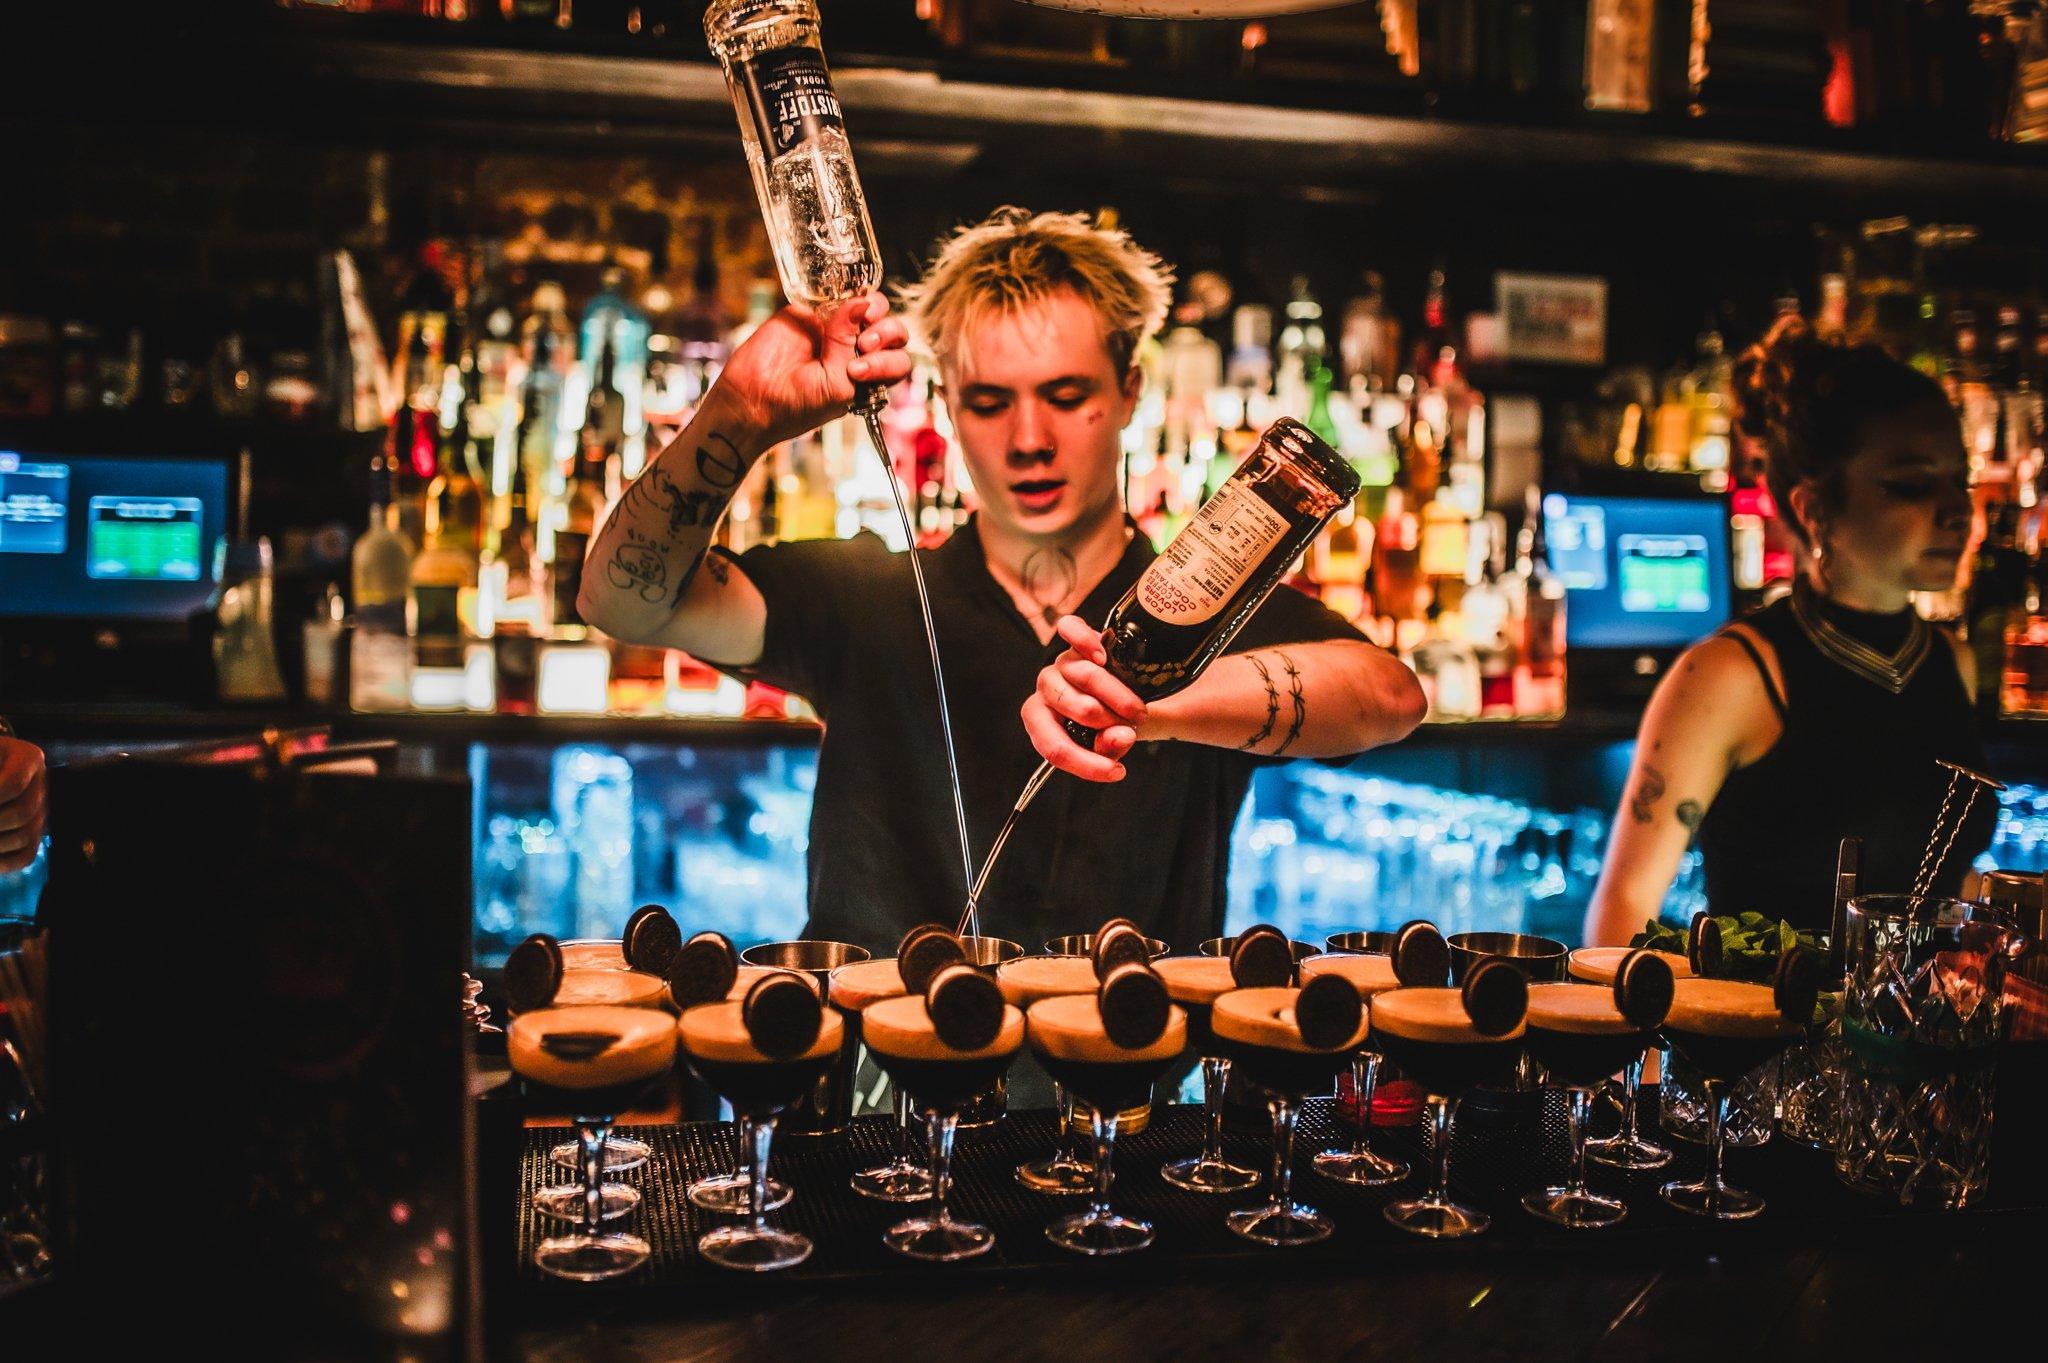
1194	598
1997	593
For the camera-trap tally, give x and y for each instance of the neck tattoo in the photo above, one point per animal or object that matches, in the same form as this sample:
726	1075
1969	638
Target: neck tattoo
1049	577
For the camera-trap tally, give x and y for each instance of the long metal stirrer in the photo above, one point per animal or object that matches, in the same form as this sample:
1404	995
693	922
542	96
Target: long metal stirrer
871	415
1946	831
970	917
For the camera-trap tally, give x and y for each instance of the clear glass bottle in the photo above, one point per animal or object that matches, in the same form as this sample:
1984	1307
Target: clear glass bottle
795	137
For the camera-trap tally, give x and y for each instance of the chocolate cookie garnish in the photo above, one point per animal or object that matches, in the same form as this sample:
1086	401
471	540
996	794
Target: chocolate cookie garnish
782	1015
1134	1005
1643	988
1796	985
965	1006
578	1045
1261	958
703	970
1119	943
533	972
925	952
1703	944
651	939
1422	958
1496	997
1327	1011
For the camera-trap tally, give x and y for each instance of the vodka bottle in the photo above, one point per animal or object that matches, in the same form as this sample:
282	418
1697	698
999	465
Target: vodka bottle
796	148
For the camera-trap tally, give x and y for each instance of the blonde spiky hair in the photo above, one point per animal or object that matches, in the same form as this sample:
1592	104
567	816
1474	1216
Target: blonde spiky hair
1015	257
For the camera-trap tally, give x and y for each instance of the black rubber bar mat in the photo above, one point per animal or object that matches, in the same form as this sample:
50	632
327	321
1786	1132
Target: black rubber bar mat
1495	1159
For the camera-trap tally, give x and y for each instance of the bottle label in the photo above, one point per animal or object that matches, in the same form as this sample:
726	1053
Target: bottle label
792	96
1215	553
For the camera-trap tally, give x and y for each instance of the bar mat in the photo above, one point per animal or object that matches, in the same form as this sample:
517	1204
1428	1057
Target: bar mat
1496	1159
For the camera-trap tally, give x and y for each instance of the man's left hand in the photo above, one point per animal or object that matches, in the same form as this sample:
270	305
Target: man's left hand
24	803
1078	686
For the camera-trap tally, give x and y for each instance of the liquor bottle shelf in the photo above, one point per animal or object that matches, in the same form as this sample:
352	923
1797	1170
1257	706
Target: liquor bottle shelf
938	114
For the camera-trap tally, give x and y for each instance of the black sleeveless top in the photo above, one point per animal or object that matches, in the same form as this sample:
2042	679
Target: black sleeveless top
1856	758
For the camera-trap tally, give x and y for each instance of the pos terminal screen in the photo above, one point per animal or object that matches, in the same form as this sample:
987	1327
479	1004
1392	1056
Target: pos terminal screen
96	537
1639	572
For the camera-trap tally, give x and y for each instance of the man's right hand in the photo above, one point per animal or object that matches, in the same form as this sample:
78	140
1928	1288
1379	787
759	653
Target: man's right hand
23	803
798	371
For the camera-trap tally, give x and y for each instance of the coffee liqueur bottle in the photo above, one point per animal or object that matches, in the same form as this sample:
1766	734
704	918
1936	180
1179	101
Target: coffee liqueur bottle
1194	598
797	148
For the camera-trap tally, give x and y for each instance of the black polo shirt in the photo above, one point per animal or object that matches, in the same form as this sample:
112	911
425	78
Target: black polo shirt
844	632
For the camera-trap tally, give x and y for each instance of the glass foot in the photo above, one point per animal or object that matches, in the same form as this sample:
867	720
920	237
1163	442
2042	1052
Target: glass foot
1204	1175
1564	1207
733	1194
590	1258
1291	1224
1363	1168
1436	1218
896	1181
564	1201
938	1239
621	1154
1099	1233
1717	1201
1057	1175
754	1251
1619	1152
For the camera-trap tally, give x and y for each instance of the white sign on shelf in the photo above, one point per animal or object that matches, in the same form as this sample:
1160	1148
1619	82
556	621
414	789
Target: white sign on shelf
1552	318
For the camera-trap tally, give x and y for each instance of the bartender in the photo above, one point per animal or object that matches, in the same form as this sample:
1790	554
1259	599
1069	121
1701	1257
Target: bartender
1825	714
1034	322
24	800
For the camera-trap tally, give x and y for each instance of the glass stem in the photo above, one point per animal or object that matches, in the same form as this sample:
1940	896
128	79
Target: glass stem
1365	1075
1215	1078
1104	1125
745	1125
1717	1140
763	1132
1063	1103
1440	1147
1284	1115
904	1126
1631	1080
1579	1116
591	1135
939	1130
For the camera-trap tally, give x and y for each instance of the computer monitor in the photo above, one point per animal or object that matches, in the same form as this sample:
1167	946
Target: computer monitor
103	537
1640	573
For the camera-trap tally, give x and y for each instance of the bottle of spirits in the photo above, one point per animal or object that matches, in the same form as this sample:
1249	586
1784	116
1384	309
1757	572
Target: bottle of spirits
1543	618
1398	588
380	657
795	138
1192	600
1997	595
582	512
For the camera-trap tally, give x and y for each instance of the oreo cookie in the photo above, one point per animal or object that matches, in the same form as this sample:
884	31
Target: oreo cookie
965	1006
578	1046
1134	1005
1262	958
1643	988
1119	943
703	970
1796	985
925	951
533	972
1496	997
651	940
1327	1012
1703	944
1422	958
782	1015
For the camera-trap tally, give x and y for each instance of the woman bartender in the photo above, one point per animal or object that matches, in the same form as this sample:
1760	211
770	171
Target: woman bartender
1823	714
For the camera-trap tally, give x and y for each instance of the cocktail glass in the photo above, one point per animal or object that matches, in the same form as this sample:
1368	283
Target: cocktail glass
731	1193
1579	1037
1024	982
601	986
900	1178
1627	1148
1359	1165
622	1154
1195	983
1427	1033
1726	1028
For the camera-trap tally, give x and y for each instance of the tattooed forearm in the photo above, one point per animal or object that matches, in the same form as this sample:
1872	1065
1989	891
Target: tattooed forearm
1642	805
1272	705
1300	705
1691	813
639	565
720	570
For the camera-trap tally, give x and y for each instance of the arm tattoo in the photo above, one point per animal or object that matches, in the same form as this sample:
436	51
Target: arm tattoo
1649	790
720	570
1272	705
721	468
639	565
1300	705
1691	814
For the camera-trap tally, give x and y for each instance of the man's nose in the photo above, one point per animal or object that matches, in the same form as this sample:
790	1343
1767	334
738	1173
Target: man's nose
1030	440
